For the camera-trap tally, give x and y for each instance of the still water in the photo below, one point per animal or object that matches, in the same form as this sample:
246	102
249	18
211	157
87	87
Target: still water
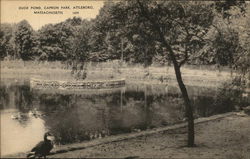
75	116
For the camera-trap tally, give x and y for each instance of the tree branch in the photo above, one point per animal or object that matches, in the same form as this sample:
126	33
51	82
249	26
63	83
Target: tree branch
185	58
157	28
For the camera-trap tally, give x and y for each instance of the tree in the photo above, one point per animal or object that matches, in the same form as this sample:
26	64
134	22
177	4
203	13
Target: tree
56	41
123	40
225	47
6	40
49	43
177	28
81	45
80	52
98	40
241	63
24	40
241	24
224	7
226	38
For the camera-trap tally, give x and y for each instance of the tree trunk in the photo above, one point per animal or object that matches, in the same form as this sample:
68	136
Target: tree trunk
188	106
189	109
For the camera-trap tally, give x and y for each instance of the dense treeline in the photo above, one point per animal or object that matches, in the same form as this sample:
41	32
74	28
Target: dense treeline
114	34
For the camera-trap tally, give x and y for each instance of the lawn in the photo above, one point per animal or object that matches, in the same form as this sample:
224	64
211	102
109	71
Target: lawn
207	76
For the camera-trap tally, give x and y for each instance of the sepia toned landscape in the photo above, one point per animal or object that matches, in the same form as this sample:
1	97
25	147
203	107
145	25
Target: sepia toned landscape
140	79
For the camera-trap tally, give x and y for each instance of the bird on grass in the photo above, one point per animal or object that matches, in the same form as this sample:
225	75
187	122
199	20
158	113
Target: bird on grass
43	148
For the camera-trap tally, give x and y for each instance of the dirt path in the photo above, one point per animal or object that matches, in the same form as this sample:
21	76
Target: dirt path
227	138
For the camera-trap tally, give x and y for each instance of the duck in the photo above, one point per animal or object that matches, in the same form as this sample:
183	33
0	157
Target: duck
17	116
30	113
35	114
43	148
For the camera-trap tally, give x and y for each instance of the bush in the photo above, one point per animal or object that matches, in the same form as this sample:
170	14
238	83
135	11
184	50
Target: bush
230	96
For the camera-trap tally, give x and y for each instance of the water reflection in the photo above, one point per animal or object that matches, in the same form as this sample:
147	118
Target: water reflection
77	116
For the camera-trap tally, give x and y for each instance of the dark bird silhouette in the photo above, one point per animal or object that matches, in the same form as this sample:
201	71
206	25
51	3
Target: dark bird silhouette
43	148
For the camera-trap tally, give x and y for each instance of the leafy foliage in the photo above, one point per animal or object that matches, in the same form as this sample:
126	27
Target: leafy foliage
243	27
229	96
183	25
226	46
24	40
56	41
224	7
6	41
198	33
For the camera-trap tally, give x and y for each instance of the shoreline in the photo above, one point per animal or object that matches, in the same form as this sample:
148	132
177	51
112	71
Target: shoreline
126	137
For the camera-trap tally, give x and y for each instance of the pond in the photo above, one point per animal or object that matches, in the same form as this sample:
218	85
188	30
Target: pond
75	116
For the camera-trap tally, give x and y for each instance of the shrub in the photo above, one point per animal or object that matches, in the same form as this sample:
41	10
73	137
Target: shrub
230	96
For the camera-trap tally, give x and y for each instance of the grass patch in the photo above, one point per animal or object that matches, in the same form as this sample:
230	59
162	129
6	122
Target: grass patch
192	75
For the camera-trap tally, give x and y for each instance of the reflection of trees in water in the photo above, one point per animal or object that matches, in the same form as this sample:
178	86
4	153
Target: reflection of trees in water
23	102
18	97
53	102
166	109
4	96
74	118
207	106
23	98
129	110
64	125
203	106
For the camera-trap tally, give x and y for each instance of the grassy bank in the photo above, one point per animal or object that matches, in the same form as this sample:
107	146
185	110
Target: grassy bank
192	75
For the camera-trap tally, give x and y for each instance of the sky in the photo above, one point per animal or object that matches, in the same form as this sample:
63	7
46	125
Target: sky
13	11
